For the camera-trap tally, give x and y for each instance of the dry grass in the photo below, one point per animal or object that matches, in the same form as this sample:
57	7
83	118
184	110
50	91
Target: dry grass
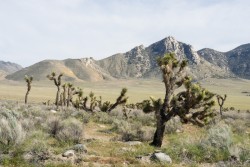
138	90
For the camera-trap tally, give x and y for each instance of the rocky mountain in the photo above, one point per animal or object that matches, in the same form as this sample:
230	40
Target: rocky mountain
73	70
140	62
236	61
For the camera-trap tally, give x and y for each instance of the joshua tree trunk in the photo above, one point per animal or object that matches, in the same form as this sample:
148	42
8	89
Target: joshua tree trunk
159	133
28	80
162	118
26	96
57	96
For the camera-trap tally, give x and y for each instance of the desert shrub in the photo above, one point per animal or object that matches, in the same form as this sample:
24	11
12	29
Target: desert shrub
244	155
27	124
232	108
131	131
54	125
83	116
102	117
213	147
11	131
144	119
173	125
219	136
238	126
71	131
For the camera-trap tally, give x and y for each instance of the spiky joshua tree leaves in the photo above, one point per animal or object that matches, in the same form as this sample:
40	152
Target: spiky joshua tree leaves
28	80
192	105
57	82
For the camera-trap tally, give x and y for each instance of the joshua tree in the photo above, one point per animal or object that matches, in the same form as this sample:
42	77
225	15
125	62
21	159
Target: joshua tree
57	82
79	94
108	107
185	104
221	101
122	99
28	80
70	89
93	101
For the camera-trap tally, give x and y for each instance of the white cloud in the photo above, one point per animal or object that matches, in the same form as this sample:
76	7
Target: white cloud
32	30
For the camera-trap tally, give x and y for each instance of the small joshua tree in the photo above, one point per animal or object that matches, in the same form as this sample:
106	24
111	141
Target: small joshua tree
108	107
122	99
93	101
192	105
57	82
28	80
221	101
70	89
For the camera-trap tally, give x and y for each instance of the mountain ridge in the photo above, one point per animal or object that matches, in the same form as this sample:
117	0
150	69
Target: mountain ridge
140	62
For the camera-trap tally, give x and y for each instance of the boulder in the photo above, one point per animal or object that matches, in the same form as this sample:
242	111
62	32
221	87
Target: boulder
161	157
80	148
68	153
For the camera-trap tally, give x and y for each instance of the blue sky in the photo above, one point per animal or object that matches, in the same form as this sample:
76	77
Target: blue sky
34	30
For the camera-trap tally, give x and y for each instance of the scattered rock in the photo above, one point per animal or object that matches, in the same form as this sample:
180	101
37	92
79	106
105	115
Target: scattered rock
102	126
178	131
80	148
27	156
133	143
161	157
68	153
144	159
53	111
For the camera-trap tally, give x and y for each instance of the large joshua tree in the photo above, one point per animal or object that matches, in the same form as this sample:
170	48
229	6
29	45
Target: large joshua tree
57	82
192	105
28	80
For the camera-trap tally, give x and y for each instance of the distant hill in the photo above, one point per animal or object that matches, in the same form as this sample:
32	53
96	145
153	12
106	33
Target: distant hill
140	62
9	67
73	70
